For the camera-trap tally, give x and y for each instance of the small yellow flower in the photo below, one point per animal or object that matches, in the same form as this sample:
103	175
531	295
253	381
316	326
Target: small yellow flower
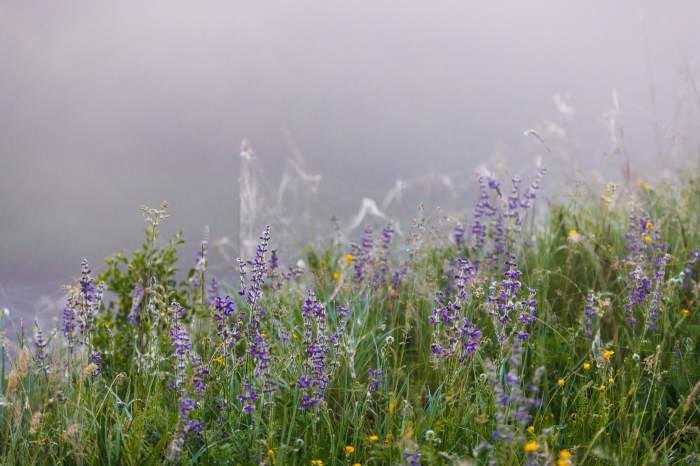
316	463
564	458
349	450
611	380
357	464
561	382
649	225
392	407
531	446
645	186
271	454
393	293
601	388
586	366
348	259
219	360
685	312
373	438
336	276
263	334
607	354
574	236
647	239
531	429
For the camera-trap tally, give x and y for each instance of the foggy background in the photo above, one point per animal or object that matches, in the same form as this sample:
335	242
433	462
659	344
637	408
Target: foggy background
106	106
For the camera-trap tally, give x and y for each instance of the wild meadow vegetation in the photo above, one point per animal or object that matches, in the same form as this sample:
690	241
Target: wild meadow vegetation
566	337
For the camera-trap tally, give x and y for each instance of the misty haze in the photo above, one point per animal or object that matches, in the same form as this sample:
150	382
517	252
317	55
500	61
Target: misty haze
113	106
345	126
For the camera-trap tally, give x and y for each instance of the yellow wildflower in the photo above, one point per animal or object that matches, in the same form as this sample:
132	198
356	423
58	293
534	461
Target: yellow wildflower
271	454
644	185
607	354
561	382
611	380
316	463
373	438
531	429
601	388
574	236
219	360
586	366
393	293
685	312
649	225
336	276
349	450
348	259
564	458
392	407
647	239
357	464
531	446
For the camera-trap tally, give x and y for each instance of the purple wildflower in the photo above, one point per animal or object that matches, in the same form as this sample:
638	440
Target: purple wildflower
383	255
647	261
136	300
470	338
514	399
412	459
186	405
242	275
451	326
528	313
375	379
199	376
482	211
531	192
588	314
258	348
212	290
258	270
502	299
466	271
97	360
181	343
248	397
194	427
227	328
69	323
362	254
315	376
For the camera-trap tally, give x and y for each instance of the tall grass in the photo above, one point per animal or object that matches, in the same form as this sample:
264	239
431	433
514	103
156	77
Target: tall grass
373	367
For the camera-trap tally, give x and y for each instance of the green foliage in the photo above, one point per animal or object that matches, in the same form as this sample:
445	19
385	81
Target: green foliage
637	403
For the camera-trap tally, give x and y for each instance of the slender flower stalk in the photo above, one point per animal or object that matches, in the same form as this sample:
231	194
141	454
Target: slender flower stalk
588	314
137	295
181	343
41	355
